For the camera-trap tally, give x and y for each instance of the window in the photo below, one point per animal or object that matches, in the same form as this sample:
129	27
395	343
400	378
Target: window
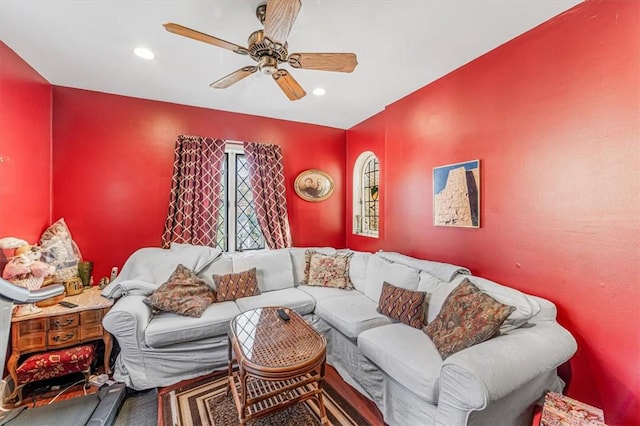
366	206
238	227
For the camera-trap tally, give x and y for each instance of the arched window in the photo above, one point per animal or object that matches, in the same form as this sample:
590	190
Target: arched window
366	184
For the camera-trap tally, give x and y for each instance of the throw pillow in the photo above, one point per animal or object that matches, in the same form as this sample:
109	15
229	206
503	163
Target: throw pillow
467	317
183	294
403	305
329	270
236	285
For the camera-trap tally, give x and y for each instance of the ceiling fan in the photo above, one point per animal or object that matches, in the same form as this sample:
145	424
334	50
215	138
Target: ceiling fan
268	48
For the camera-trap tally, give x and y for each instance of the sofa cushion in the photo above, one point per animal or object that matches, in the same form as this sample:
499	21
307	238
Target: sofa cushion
468	317
328	270
380	271
183	294
221	266
297	255
407	355
319	293
351	315
168	329
236	285
443	271
358	269
404	305
274	268
293	298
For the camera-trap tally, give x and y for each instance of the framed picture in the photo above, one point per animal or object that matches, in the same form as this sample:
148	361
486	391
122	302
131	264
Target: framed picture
313	185
456	195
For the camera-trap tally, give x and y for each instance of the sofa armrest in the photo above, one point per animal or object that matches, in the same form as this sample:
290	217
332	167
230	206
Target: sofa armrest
127	321
476	376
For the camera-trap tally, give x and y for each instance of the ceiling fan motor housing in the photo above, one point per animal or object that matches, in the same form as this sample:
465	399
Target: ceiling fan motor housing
267	53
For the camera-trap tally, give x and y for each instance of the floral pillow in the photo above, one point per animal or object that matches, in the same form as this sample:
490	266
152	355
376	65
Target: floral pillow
236	285
403	305
325	270
183	294
467	317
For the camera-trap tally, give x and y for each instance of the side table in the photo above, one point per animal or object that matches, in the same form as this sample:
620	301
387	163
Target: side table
57	327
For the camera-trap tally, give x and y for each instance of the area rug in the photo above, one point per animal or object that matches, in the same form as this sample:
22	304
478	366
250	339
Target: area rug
205	402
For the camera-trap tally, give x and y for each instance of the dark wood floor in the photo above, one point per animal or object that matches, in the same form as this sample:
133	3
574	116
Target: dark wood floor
35	396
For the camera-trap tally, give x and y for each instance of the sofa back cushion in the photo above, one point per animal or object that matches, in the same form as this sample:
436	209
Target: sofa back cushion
221	266
380	271
274	268
443	271
358	269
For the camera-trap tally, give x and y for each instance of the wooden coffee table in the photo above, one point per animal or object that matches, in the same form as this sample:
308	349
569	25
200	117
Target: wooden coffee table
278	363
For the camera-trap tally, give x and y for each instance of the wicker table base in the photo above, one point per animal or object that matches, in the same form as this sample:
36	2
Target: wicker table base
278	363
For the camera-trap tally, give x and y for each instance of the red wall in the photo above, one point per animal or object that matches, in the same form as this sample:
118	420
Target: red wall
367	136
554	118
25	149
113	158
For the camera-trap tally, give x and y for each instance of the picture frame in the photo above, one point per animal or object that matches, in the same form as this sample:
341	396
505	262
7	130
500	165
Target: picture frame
313	185
456	195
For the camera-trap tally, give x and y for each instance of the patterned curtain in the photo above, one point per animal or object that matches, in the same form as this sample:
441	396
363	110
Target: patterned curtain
267	186
196	185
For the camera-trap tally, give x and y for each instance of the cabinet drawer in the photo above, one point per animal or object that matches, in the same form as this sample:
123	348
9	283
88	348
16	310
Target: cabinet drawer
91	317
31	327
33	341
64	321
63	337
89	331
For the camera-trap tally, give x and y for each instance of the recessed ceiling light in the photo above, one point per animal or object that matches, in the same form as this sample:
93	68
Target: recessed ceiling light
319	91
144	53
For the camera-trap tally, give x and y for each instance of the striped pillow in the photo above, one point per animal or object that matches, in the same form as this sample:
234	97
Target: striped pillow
403	305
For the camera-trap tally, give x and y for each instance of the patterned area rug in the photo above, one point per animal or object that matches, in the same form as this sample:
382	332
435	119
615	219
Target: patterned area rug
204	401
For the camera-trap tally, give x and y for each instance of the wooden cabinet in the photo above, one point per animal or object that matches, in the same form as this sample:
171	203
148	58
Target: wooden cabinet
57	327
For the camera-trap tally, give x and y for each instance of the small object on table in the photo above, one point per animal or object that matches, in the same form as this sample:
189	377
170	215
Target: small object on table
67	304
560	410
283	315
73	286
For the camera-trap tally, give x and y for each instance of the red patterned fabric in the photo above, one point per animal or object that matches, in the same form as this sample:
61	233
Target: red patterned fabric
268	188
48	365
196	185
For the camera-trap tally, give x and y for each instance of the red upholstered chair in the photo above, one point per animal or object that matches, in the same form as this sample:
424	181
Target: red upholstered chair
48	365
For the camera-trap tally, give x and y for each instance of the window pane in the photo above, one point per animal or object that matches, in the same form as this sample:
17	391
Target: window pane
248	233
370	203
221	234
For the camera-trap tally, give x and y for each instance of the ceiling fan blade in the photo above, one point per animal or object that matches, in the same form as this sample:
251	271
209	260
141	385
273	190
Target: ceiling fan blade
206	38
342	62
280	17
289	85
233	78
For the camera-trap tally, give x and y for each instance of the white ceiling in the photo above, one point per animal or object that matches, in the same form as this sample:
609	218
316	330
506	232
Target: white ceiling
401	45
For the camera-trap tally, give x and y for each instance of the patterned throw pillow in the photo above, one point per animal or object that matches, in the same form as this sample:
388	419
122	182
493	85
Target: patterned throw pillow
183	294
59	249
466	318
236	285
403	305
325	270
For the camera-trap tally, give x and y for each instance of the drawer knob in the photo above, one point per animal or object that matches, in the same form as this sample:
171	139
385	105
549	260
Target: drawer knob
65	323
63	338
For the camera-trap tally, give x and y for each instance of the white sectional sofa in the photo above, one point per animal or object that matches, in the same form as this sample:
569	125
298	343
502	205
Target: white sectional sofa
398	367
